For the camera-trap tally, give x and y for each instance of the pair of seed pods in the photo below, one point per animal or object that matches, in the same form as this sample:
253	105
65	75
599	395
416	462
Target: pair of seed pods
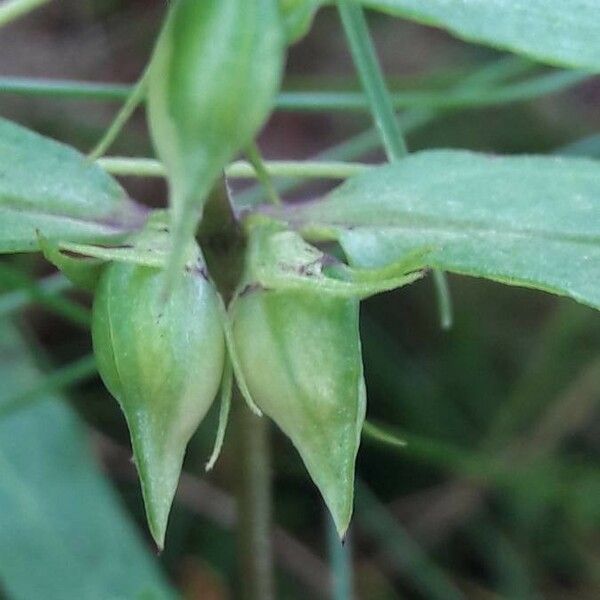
291	330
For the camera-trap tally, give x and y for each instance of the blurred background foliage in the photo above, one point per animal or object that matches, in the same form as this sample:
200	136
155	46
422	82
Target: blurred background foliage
495	495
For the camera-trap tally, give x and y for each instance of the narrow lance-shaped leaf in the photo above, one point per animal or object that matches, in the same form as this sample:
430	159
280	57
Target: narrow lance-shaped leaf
49	188
529	220
553	31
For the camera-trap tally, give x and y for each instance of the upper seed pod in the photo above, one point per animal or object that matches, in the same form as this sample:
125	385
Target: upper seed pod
212	82
297	17
163	362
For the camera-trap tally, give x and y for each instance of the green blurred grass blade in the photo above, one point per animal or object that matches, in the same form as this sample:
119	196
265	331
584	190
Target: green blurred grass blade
46	295
63	532
510	567
11	302
340	559
407	556
74	373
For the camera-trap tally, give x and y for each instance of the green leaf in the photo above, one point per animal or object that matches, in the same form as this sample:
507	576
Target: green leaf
64	533
529	220
148	247
82	271
282	260
51	189
553	31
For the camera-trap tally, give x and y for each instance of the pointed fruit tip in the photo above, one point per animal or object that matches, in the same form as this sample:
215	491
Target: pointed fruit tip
158	530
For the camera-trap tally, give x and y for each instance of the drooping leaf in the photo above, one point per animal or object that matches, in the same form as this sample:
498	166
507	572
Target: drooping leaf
527	220
553	31
63	532
49	188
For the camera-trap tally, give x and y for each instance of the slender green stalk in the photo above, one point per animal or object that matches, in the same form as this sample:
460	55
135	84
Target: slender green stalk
254	504
444	299
147	167
340	559
262	172
440	100
137	96
65	89
14	9
457	97
371	76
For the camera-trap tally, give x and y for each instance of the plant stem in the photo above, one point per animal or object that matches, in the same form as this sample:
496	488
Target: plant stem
454	98
13	9
262	172
371	76
65	88
444	299
340	558
134	99
254	504
223	242
148	167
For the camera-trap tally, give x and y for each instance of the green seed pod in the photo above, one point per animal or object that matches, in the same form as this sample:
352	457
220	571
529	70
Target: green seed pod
163	361
298	354
297	17
212	82
301	360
